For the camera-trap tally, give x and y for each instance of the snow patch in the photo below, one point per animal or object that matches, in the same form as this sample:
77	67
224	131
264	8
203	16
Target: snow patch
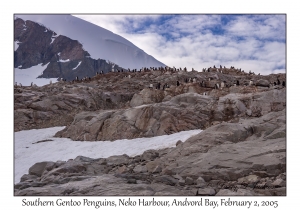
141	106
28	151
63	61
53	37
77	65
17	44
59	53
26	76
52	40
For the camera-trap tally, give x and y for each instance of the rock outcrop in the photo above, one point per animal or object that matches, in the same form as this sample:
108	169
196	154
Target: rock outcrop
176	108
243	158
186	111
242	150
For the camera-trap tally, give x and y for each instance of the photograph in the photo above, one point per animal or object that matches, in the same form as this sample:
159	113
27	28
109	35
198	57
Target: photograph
158	104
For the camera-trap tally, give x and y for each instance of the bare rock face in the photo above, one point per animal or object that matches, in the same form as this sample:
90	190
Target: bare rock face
243	158
183	112
242	150
147	96
56	104
128	93
262	83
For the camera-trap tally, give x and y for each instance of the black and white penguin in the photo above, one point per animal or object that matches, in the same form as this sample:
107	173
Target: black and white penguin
158	86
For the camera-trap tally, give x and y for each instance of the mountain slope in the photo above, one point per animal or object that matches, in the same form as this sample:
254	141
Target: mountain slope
43	54
97	41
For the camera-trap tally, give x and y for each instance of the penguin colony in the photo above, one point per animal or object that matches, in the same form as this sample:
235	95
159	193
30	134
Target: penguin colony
220	85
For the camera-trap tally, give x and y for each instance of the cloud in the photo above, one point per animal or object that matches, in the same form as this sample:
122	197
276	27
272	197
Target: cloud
250	42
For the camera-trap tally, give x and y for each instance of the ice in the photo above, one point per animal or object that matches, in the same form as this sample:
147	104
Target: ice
26	76
77	65
28	151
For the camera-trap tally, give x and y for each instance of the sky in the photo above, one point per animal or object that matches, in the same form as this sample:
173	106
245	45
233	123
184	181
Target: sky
250	42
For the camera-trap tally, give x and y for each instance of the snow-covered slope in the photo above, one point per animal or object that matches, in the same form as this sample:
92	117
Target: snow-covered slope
28	149
28	76
99	42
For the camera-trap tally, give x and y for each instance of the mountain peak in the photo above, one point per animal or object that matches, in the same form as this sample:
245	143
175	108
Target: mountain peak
99	42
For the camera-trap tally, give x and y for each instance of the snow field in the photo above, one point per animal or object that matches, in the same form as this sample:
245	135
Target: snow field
28	152
26	76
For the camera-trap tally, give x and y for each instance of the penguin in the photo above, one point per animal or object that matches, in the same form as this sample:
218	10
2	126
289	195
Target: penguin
222	85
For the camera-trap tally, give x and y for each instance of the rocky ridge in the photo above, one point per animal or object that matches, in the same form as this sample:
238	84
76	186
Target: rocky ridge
242	150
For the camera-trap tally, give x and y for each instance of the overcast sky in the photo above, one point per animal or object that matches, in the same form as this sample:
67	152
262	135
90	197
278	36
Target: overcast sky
250	42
